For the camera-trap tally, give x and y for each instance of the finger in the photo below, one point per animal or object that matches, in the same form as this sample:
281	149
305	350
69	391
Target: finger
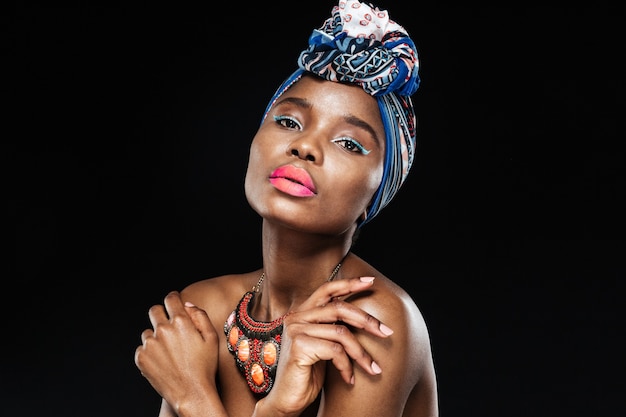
180	315
342	311
313	349
174	304
333	289
146	334
344	342
157	315
141	353
137	358
171	312
200	319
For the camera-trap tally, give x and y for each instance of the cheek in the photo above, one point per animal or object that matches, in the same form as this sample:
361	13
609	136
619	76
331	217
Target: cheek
360	188
259	151
375	177
254	167
372	183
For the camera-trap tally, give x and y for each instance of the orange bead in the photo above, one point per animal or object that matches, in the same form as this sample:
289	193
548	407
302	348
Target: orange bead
257	374
269	353
233	336
243	350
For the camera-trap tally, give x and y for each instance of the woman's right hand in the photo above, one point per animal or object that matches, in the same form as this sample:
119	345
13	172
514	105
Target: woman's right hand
315	333
178	357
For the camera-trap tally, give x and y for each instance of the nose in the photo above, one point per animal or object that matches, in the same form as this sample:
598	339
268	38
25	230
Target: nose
306	156
306	148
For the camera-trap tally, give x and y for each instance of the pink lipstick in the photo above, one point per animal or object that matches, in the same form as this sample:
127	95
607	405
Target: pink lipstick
293	181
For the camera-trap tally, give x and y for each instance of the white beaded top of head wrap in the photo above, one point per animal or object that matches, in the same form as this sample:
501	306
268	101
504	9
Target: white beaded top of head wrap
360	44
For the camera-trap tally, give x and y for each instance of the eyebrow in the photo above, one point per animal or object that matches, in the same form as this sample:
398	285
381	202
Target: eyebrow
348	118
360	123
300	102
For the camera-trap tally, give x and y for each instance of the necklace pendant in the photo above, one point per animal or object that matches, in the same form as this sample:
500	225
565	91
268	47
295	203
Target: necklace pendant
254	344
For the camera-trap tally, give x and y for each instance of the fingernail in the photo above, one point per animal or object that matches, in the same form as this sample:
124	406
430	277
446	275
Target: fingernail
386	330
376	368
352	380
189	304
367	279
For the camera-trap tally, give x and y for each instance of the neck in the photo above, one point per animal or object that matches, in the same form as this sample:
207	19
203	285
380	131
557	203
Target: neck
295	265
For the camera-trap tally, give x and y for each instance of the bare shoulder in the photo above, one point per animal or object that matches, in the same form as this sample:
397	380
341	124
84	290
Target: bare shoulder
407	384
392	305
219	295
410	355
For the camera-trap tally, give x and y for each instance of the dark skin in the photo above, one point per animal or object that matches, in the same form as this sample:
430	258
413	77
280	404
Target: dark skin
356	346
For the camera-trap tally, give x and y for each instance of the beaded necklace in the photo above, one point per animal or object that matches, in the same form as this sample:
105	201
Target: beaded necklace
256	344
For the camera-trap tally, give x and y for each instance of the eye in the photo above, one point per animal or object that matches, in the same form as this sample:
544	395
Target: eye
288	122
351	145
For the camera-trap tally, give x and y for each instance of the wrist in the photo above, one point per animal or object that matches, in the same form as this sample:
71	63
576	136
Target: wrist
264	408
205	404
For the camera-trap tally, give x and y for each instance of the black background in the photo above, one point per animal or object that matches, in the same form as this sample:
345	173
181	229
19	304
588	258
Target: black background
128	127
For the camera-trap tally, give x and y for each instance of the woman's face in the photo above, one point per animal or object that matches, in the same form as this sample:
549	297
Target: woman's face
317	159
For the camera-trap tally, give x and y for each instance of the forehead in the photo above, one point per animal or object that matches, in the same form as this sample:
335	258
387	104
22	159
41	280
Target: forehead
335	98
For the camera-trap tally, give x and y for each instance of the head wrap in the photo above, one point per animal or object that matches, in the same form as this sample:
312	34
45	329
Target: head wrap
360	44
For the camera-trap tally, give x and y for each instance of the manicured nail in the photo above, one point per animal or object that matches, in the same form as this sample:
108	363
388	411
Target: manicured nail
386	330
367	279
376	368
352	380
189	304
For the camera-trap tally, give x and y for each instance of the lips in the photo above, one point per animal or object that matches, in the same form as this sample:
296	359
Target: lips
293	181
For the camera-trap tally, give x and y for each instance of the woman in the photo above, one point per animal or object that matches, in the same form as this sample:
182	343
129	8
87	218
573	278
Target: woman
316	331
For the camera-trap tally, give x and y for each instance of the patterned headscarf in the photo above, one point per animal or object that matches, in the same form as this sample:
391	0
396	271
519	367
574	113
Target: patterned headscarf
360	44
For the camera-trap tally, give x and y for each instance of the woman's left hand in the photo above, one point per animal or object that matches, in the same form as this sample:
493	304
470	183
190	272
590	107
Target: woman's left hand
315	333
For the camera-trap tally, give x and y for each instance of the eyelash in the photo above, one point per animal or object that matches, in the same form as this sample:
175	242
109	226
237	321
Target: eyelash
349	143
282	119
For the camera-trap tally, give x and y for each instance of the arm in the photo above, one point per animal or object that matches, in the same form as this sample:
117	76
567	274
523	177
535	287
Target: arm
178	355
